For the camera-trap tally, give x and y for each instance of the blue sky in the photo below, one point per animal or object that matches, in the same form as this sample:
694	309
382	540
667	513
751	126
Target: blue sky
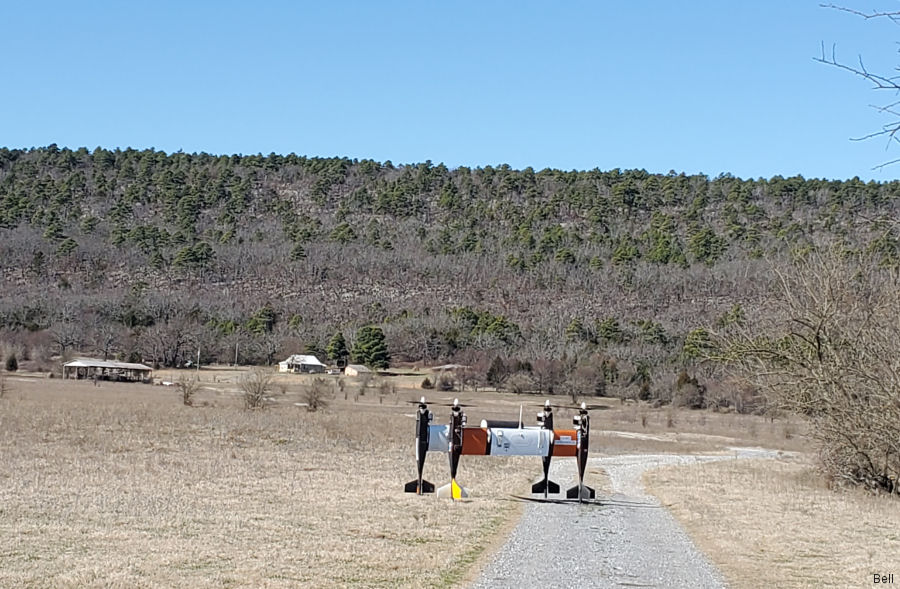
698	86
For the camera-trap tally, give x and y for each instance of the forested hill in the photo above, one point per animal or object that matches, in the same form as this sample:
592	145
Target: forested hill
144	254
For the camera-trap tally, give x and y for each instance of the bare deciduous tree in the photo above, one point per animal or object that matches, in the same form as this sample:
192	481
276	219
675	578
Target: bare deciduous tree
518	383
879	80
188	387
828	349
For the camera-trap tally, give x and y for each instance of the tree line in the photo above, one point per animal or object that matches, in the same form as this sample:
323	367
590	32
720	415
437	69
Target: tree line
553	281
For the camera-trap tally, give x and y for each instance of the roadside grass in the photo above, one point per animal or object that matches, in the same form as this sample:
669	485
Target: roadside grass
768	523
454	575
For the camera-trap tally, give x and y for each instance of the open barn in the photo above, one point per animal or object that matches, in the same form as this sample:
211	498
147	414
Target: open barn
90	368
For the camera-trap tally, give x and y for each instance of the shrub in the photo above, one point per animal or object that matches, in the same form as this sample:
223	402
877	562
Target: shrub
446	382
12	364
386	388
315	395
255	388
427	384
689	392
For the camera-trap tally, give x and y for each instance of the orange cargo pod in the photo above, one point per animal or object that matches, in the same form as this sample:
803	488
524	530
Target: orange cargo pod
565	442
475	441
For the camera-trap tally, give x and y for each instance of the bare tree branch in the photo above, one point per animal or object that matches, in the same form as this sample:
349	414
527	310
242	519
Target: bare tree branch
879	81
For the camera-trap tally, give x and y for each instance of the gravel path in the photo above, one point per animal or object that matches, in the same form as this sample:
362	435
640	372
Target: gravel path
626	539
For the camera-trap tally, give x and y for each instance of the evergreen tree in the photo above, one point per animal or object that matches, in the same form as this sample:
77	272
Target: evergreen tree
65	248
610	332
298	252
263	321
370	348
337	348
575	331
706	246
696	345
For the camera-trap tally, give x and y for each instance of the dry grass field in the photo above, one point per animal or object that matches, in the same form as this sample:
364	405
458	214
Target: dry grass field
772	523
122	485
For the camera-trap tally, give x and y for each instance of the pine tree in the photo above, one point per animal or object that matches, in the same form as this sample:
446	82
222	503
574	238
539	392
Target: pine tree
298	252
370	348
337	348
575	331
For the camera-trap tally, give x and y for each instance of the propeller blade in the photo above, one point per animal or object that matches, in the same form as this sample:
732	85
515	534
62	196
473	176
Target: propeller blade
583	406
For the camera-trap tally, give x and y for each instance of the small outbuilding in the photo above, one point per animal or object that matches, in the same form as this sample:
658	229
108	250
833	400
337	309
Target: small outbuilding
356	370
301	363
82	368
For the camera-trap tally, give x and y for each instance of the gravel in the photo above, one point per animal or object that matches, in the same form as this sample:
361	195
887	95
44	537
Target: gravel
626	539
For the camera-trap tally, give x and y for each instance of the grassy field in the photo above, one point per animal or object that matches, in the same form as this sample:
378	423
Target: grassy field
122	485
768	523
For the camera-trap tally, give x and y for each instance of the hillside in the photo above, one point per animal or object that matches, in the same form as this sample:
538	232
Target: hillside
591	275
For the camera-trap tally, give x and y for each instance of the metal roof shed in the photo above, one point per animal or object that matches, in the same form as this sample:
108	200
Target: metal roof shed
106	370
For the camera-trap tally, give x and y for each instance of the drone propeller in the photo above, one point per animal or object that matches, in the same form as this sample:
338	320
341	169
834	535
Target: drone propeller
548	404
455	403
585	406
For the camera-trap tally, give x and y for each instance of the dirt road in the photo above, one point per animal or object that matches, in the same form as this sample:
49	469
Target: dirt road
625	539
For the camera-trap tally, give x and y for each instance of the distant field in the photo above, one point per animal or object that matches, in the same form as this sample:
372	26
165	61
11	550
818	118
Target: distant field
122	485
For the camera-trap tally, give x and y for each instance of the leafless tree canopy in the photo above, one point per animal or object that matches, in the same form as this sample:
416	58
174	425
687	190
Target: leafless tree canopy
829	349
881	81
188	386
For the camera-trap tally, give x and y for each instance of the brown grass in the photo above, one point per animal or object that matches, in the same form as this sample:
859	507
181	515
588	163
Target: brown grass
124	486
776	523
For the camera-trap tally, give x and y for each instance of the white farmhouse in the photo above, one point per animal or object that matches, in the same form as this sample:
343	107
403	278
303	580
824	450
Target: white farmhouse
301	363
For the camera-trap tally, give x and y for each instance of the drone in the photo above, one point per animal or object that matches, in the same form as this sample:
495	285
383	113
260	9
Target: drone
501	438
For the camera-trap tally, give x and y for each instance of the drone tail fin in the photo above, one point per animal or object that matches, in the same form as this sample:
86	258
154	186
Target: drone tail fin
413	487
453	491
542	485
580	492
